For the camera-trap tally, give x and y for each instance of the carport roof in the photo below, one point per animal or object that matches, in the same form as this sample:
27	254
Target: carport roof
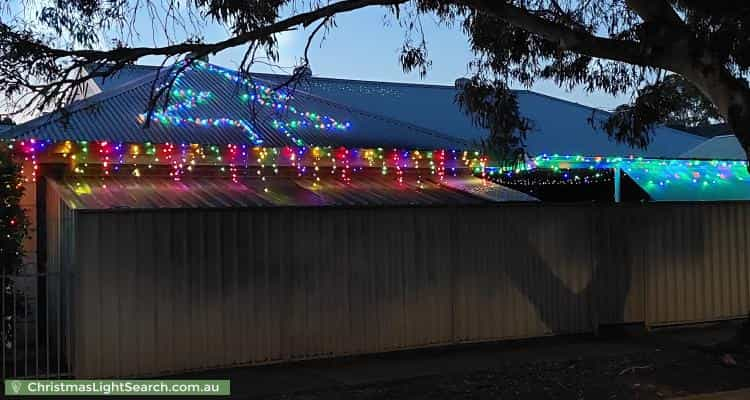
90	193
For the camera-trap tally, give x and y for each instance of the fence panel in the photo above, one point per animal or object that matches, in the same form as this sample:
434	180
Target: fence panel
696	262
164	291
617	246
34	327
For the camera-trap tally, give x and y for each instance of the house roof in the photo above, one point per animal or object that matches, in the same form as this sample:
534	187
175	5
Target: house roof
709	131
724	147
113	116
123	76
382	114
558	126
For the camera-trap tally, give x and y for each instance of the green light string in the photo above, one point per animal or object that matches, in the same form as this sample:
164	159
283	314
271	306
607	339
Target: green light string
651	173
275	100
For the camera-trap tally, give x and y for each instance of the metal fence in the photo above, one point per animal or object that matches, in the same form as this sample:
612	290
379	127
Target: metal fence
34	328
165	291
151	292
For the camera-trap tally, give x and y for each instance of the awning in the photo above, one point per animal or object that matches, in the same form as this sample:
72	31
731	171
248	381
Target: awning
374	190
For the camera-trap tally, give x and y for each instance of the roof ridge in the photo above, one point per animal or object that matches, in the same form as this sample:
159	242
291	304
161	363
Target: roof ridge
573	103
140	66
429	85
708	141
81	105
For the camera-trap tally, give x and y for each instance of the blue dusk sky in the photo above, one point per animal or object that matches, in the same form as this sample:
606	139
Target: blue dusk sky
364	45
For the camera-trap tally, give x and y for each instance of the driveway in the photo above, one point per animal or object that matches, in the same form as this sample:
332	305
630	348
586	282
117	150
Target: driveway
663	364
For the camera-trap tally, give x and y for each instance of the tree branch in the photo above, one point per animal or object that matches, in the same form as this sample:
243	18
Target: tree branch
565	38
53	60
655	11
303	19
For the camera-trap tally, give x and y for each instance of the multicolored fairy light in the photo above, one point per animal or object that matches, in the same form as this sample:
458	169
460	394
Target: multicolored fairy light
659	171
189	101
191	106
440	164
662	179
29	150
233	159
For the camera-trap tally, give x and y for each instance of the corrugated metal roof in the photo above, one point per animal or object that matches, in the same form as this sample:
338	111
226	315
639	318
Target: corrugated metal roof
113	116
725	147
481	188
395	115
125	75
163	192
709	131
559	126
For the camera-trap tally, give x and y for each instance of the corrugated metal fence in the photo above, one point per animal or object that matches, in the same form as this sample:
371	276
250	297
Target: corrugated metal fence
161	291
30	331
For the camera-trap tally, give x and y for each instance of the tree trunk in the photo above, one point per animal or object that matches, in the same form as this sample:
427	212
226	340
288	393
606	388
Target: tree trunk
738	119
731	96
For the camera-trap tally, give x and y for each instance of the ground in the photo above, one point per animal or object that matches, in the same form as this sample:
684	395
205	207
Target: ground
647	375
663	364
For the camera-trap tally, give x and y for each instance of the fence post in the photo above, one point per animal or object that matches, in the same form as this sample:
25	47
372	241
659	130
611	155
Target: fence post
618	184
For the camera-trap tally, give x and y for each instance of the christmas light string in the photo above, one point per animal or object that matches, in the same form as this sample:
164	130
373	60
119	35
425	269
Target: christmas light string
649	172
236	161
276	100
188	100
344	163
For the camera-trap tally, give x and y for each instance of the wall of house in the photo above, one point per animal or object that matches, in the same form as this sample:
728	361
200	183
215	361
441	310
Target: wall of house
59	241
166	291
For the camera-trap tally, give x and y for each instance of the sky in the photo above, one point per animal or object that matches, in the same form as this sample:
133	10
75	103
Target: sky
364	45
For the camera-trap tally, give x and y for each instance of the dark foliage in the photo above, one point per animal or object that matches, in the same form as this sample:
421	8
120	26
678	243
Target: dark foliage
481	100
655	104
673	101
13	220
689	107
13	230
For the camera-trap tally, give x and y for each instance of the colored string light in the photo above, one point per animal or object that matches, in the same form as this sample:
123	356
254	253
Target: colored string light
188	99
233	160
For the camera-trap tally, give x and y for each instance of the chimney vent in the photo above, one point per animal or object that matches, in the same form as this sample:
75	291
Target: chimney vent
303	71
195	56
462	83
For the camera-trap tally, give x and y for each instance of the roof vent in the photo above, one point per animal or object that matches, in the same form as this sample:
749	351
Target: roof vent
195	56
462	83
303	71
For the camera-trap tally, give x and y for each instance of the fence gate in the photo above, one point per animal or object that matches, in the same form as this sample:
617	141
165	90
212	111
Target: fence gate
34	330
